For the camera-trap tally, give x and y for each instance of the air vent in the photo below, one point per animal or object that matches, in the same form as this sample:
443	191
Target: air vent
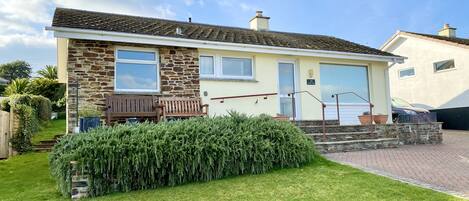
179	31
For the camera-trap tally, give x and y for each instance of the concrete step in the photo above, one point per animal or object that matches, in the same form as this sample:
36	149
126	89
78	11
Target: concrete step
37	149
314	122
43	146
337	128
356	145
344	136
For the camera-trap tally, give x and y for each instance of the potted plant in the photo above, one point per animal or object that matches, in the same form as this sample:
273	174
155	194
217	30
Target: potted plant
365	118
380	118
89	117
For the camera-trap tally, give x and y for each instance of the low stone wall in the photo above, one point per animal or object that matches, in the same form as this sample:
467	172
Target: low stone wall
413	133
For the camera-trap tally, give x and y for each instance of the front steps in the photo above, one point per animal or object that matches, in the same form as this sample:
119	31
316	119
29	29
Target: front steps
345	138
46	145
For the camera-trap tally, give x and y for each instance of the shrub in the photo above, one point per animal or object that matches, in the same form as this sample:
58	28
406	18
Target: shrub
42	106
21	140
18	86
89	111
142	156
51	89
5	104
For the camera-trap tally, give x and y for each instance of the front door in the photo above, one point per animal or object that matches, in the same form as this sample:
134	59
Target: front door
286	77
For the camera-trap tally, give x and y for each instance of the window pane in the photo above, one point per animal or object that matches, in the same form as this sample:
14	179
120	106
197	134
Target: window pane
136	55
343	78
286	106
286	73
407	72
131	76
443	65
206	65
236	66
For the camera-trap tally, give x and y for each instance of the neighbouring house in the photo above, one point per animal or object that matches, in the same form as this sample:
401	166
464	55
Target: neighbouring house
254	69
435	75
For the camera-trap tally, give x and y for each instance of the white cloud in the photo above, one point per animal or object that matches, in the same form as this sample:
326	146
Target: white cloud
188	2
246	7
164	11
31	40
35	11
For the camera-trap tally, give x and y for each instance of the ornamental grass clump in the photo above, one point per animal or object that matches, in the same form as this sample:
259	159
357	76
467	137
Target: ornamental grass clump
144	156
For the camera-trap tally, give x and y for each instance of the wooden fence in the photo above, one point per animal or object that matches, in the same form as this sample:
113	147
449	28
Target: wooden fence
4	134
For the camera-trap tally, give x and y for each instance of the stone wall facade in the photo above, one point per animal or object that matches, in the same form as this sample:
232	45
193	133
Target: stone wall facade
413	133
91	64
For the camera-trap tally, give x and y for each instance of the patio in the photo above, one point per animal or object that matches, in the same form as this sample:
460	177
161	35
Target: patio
440	167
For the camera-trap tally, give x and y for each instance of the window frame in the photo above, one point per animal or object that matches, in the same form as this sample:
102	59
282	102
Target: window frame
214	66
135	61
218	67
444	70
404	69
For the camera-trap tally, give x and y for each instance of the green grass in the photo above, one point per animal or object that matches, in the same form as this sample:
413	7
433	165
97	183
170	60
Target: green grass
49	130
27	177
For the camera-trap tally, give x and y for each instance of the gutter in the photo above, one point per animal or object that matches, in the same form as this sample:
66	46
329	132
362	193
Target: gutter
75	33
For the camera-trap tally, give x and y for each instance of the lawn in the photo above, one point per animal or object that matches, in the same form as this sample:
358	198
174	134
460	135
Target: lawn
49	130
26	177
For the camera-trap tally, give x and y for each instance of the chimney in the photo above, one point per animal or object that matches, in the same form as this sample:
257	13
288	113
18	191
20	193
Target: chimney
447	31
259	22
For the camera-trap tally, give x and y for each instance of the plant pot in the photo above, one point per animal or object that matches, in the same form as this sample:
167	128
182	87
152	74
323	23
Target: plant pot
380	119
87	123
365	119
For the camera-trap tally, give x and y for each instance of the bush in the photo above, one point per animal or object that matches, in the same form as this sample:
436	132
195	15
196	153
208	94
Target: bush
5	104
21	140
51	89
142	156
42	106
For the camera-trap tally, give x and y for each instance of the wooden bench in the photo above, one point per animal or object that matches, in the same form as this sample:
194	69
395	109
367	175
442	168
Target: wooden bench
121	107
182	107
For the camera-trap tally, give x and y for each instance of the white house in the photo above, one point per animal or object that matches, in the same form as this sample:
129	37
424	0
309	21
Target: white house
436	74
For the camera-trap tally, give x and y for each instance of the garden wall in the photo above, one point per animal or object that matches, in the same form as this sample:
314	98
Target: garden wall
413	133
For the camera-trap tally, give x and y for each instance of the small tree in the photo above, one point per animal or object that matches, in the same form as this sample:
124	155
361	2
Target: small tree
49	72
17	86
14	70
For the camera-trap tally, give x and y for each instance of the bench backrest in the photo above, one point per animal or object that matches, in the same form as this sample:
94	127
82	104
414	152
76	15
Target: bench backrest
178	105
131	104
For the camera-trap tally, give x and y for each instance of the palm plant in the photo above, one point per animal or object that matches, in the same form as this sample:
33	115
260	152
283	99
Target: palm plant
17	86
49	72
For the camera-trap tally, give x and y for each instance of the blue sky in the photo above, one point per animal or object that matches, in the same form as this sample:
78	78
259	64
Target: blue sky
368	22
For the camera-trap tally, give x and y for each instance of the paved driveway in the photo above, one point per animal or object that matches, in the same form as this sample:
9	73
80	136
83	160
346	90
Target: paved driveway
443	167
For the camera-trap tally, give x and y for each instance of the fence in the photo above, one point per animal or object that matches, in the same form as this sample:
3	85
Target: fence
4	134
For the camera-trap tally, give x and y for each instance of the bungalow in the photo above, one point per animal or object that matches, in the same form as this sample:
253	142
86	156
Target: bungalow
253	70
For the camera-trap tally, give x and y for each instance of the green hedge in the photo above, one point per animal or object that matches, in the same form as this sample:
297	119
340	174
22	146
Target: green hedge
31	110
142	156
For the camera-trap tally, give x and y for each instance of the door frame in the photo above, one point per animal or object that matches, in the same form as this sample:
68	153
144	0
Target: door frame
296	86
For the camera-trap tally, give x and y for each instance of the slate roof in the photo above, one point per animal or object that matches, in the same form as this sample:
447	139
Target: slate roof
461	41
71	18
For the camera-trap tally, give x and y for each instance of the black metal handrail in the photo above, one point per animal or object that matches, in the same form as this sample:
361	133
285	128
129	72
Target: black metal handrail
351	92
323	106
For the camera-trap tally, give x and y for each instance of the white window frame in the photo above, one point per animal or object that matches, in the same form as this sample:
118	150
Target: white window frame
155	62
405	77
214	66
218	67
449	69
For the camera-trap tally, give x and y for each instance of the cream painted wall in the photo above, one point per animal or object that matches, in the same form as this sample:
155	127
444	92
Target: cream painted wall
427	88
266	81
62	58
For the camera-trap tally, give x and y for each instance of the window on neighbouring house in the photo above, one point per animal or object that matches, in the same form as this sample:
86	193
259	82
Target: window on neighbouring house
136	71
443	65
238	67
406	72
207	65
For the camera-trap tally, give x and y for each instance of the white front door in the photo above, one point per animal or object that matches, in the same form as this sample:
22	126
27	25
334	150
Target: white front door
286	78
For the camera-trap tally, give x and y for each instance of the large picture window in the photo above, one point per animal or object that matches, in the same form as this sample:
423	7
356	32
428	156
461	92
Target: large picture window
136	71
337	78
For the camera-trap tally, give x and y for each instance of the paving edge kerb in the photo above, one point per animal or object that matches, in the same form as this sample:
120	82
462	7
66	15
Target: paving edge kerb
402	179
